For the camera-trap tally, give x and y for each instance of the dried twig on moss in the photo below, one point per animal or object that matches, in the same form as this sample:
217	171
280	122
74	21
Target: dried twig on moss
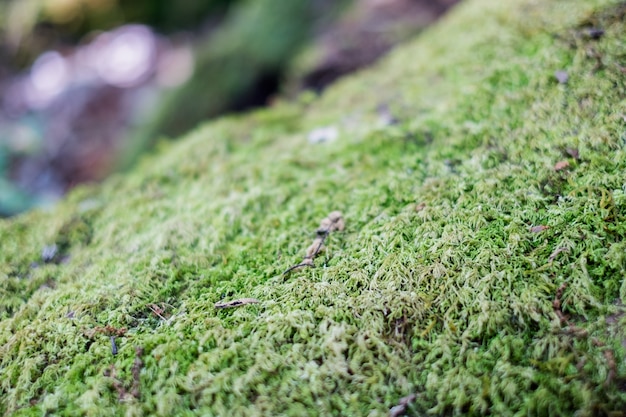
236	303
333	222
107	330
571	329
118	384
157	311
556	304
610	361
136	370
539	229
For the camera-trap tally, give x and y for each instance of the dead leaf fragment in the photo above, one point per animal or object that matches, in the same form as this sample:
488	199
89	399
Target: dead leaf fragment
420	207
107	330
336	217
315	248
236	303
538	229
333	222
561	165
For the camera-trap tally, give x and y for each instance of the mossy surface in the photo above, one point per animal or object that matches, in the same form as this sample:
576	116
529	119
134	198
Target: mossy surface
495	188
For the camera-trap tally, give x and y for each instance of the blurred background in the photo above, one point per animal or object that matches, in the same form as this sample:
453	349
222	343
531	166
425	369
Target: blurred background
87	86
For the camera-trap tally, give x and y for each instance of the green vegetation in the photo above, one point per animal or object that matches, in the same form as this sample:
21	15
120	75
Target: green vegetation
496	186
254	42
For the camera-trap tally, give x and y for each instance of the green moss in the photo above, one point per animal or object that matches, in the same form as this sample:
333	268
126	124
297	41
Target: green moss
441	285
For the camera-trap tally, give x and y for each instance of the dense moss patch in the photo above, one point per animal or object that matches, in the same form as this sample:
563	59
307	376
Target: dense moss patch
481	268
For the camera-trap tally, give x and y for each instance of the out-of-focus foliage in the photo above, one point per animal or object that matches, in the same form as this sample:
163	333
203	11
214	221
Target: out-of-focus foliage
30	26
247	52
38	162
248	57
61	60
240	49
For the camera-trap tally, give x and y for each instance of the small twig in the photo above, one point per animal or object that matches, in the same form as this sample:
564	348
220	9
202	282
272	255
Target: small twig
334	221
119	387
610	361
117	383
554	254
315	248
236	303
571	329
576	331
538	229
136	370
556	304
300	265
157	311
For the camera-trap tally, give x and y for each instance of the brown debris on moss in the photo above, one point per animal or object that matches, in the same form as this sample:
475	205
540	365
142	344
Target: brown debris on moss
125	393
556	304
333	222
236	303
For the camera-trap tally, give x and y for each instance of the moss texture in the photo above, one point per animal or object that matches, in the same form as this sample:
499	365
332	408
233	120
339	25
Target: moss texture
481	268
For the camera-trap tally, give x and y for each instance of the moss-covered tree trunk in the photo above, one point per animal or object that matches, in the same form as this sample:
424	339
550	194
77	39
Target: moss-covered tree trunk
481	268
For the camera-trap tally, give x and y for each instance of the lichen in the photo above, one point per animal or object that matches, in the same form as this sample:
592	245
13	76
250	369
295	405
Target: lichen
441	286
